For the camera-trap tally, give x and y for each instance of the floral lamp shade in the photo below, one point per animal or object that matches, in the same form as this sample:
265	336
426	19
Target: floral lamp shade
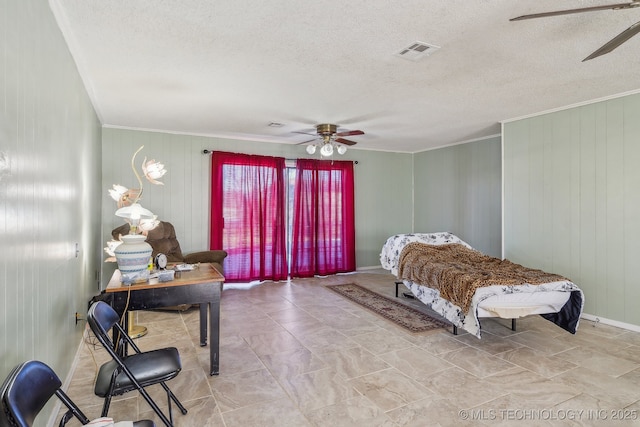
134	213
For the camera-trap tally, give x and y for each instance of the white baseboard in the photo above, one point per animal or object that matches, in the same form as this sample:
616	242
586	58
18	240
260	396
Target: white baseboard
605	321
372	267
51	422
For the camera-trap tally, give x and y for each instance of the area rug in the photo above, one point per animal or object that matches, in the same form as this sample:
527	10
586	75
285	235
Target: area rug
402	315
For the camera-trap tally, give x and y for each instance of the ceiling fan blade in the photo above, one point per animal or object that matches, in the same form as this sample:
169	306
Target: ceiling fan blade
304	142
616	41
345	141
579	10
350	133
305	132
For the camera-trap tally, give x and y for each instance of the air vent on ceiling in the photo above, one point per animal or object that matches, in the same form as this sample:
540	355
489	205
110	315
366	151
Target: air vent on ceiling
417	51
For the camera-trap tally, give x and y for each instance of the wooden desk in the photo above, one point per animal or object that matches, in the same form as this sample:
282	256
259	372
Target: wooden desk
202	286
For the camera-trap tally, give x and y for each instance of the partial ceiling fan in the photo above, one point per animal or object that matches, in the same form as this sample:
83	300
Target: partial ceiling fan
611	44
330	140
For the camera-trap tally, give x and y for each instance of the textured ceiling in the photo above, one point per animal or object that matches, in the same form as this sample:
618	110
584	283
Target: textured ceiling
230	67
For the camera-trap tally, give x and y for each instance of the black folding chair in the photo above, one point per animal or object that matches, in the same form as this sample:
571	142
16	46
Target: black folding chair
135	371
27	390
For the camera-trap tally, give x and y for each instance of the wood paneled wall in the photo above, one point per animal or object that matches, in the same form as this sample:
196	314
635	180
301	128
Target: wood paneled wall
49	191
383	186
458	189
572	200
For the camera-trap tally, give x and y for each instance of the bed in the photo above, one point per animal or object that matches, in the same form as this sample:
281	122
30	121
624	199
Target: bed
558	300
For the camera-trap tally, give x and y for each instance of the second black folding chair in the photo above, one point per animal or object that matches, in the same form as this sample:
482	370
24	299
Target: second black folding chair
135	371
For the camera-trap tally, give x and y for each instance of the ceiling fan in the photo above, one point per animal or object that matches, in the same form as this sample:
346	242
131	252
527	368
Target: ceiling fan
331	139
611	44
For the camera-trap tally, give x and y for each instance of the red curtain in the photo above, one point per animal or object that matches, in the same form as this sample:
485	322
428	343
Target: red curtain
248	215
323	218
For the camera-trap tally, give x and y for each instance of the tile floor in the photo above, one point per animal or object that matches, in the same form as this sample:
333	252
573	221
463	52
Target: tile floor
296	354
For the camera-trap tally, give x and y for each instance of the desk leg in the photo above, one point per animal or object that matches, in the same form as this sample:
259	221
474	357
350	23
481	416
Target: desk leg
203	324
214	331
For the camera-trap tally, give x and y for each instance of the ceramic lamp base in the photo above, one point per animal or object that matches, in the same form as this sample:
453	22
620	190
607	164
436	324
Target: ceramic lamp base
133	255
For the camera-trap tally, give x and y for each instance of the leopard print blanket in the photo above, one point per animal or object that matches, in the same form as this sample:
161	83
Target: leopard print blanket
457	271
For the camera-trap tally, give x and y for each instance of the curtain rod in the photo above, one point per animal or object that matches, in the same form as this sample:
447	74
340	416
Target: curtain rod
205	151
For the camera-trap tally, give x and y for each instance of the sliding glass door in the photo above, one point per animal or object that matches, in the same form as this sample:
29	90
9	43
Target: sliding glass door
323	238
248	215
265	214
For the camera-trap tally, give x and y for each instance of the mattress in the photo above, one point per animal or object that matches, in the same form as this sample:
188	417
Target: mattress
512	306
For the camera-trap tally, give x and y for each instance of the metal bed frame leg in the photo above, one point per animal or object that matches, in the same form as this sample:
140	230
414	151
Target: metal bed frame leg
513	327
399	282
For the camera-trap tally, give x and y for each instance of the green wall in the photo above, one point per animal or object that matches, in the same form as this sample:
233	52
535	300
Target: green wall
458	189
49	191
572	200
383	186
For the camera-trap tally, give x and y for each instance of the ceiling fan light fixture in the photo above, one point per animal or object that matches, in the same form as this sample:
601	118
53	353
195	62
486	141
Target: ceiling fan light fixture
331	140
326	150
